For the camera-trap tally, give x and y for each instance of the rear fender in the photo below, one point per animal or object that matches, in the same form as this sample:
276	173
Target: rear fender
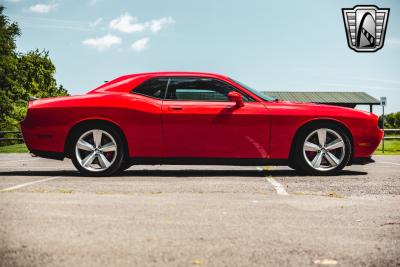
93	121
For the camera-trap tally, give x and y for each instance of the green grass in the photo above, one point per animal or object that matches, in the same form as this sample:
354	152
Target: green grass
392	147
17	148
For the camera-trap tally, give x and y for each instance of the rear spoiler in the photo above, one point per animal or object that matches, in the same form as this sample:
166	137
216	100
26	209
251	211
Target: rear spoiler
32	98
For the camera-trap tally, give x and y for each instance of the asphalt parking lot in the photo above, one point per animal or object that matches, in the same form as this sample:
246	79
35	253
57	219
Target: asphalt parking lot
198	216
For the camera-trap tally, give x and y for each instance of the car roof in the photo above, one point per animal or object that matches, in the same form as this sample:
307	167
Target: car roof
171	73
117	84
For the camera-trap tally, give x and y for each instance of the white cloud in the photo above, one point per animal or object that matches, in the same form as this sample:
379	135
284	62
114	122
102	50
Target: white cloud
41	8
128	24
140	44
103	43
96	22
157	24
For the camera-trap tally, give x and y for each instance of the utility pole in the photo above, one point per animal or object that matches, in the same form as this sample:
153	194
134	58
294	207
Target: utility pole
383	104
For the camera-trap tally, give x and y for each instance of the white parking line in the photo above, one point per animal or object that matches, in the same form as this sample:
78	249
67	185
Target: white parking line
280	190
388	162
278	187
28	184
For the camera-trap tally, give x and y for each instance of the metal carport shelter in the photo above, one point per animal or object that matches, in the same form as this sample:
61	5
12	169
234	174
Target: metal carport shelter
344	99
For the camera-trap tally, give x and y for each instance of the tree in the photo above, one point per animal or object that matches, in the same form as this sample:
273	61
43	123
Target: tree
37	75
21	76
8	64
392	121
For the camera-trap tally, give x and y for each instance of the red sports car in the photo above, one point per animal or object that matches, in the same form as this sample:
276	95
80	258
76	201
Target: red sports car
195	118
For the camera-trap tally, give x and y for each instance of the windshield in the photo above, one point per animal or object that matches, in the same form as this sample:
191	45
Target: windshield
257	93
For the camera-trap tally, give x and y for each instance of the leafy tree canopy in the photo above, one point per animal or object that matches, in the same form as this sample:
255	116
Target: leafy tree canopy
392	121
22	75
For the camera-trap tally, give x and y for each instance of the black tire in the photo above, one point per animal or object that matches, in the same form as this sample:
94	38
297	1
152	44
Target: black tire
303	164
126	166
293	163
121	154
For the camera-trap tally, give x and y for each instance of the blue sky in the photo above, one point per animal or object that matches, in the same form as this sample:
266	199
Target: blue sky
270	45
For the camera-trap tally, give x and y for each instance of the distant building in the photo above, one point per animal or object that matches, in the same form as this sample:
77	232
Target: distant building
344	99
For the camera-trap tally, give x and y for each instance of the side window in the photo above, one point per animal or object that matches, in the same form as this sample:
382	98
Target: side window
154	87
201	89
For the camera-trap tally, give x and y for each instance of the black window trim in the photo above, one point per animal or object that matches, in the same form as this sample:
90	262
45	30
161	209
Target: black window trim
201	77
165	90
162	93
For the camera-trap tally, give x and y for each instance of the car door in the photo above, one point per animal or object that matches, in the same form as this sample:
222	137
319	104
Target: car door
198	120
143	118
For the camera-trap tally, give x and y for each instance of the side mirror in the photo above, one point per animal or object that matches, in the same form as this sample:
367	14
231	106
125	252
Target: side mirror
236	97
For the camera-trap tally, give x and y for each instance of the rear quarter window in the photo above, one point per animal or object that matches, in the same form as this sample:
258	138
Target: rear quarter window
154	87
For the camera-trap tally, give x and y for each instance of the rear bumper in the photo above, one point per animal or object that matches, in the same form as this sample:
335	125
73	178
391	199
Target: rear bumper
42	138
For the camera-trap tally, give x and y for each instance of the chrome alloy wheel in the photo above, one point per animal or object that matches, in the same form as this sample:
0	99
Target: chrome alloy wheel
96	150
324	149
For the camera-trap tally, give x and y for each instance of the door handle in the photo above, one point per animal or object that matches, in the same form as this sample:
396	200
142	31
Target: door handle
175	108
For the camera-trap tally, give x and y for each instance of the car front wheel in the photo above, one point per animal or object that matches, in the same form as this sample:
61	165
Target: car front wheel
322	149
98	151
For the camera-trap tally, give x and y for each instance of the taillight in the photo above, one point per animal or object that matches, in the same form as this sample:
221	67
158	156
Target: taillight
31	99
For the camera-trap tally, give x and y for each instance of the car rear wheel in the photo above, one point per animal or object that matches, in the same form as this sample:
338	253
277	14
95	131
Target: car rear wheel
98	151
322	149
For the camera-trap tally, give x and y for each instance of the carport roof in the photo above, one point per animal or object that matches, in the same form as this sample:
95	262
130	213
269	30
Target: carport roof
356	98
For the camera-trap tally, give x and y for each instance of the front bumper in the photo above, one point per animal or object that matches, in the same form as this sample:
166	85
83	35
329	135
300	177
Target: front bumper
366	144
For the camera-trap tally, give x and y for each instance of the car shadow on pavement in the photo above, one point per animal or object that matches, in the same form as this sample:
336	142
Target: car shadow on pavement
193	173
145	173
41	173
277	173
180	173
224	173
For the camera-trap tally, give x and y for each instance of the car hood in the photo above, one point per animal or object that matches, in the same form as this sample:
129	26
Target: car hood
324	109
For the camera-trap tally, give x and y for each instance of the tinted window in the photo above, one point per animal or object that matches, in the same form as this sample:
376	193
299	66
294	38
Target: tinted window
154	87
202	89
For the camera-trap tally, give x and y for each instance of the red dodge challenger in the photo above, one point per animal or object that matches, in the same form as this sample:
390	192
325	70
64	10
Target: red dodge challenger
195	118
